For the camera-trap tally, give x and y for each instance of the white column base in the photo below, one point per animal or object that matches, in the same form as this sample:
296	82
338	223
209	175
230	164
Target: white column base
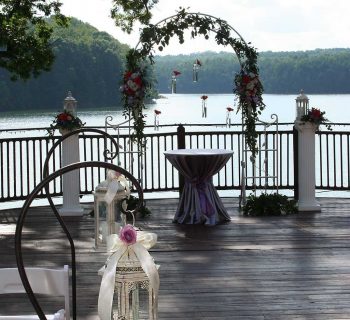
309	206
71	212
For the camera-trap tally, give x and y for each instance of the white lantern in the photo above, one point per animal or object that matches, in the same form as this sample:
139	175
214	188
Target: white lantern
302	105
108	216
136	281
70	104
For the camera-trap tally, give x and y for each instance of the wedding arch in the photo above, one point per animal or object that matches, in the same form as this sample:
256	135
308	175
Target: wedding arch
246	83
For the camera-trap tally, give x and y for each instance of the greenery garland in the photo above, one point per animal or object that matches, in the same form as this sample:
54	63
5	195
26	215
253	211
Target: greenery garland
247	86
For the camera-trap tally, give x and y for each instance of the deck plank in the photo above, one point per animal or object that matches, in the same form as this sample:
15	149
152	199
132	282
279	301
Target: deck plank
295	267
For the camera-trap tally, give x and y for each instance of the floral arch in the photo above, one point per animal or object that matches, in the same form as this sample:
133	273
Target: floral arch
246	84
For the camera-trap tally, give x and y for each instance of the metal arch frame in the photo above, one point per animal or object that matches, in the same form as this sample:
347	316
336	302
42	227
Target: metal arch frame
213	30
21	219
275	149
52	205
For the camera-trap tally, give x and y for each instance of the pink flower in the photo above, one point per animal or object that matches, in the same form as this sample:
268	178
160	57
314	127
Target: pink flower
128	234
176	73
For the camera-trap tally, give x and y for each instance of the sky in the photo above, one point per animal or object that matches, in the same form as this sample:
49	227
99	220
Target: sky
270	25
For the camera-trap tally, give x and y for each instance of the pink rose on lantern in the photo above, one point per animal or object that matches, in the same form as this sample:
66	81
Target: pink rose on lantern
128	234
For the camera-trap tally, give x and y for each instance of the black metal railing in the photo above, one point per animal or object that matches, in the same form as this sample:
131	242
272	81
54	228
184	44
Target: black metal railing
22	159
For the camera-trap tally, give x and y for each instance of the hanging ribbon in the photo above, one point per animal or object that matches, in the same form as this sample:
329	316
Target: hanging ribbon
119	248
116	182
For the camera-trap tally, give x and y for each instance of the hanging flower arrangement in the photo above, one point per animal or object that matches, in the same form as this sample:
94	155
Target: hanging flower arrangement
248	90
134	90
228	116
204	106
156	119
173	80
196	66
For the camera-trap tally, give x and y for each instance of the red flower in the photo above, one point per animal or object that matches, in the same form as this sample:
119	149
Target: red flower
176	73
246	79
157	112
138	81
229	109
315	113
204	97
127	74
62	116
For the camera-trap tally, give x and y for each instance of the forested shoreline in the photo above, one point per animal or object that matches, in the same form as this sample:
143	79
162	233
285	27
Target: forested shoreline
90	63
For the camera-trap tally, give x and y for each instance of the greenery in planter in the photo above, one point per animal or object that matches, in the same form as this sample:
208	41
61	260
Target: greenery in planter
132	203
269	205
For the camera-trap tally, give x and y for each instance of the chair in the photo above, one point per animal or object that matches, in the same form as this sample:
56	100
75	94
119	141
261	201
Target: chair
43	281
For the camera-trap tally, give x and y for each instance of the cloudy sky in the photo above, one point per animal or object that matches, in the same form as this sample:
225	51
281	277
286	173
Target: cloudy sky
276	25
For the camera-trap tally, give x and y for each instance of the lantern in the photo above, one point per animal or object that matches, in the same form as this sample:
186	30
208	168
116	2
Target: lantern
109	195
130	282
70	104
302	105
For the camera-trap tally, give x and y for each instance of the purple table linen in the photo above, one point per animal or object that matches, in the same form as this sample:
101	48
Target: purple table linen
199	202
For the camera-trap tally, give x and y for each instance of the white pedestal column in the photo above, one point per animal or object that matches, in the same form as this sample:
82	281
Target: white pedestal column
71	180
306	167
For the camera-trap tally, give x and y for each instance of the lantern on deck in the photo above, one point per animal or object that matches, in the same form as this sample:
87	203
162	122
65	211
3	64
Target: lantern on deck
196	66
302	105
130	282
109	196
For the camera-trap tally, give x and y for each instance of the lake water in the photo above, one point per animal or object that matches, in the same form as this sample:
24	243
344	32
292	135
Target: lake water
186	108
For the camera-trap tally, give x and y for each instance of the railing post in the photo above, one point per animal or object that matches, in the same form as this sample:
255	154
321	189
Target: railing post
71	180
296	163
181	144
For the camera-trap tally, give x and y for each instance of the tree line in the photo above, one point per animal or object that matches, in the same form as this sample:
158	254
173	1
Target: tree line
321	71
91	63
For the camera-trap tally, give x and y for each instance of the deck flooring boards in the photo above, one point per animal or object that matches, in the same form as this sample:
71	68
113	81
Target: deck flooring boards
269	268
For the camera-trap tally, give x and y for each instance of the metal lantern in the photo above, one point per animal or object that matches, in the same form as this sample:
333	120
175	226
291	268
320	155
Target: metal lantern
302	105
108	216
134	293
70	104
130	280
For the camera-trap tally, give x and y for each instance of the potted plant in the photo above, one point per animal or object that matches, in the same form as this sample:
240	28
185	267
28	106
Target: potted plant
269	205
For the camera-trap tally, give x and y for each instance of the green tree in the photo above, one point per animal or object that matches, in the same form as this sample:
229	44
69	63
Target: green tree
25	36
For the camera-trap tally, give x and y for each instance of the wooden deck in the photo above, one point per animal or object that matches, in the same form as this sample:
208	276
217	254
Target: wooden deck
295	267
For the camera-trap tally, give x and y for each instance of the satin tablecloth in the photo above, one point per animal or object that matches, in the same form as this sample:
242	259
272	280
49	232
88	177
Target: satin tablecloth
199	202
